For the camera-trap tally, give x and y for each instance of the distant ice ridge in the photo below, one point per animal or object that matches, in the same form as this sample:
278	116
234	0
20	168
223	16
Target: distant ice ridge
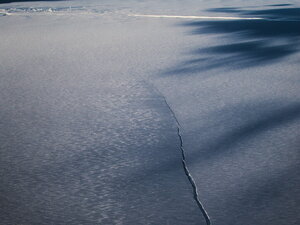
198	17
51	10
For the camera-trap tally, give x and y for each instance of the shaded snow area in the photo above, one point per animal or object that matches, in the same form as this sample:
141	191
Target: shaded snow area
149	112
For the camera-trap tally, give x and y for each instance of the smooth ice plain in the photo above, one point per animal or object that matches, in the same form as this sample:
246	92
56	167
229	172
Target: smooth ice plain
119	112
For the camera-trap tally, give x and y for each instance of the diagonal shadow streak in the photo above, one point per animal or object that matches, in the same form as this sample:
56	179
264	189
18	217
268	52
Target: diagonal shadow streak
247	43
264	120
264	117
269	119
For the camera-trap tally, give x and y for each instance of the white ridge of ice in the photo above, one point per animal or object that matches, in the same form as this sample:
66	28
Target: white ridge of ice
47	11
198	17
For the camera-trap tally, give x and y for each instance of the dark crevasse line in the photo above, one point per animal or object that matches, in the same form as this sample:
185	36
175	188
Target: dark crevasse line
186	170
184	164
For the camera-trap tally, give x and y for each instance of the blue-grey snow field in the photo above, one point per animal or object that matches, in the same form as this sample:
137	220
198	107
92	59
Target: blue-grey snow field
150	112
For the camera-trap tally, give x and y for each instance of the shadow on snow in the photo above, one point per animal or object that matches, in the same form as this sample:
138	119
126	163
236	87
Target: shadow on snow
245	43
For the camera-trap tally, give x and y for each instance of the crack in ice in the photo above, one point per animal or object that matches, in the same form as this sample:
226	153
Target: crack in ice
183	160
185	167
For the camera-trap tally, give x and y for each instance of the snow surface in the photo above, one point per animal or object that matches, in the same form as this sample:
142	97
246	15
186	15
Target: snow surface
86	132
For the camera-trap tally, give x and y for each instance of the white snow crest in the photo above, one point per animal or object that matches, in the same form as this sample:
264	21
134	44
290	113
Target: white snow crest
197	17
